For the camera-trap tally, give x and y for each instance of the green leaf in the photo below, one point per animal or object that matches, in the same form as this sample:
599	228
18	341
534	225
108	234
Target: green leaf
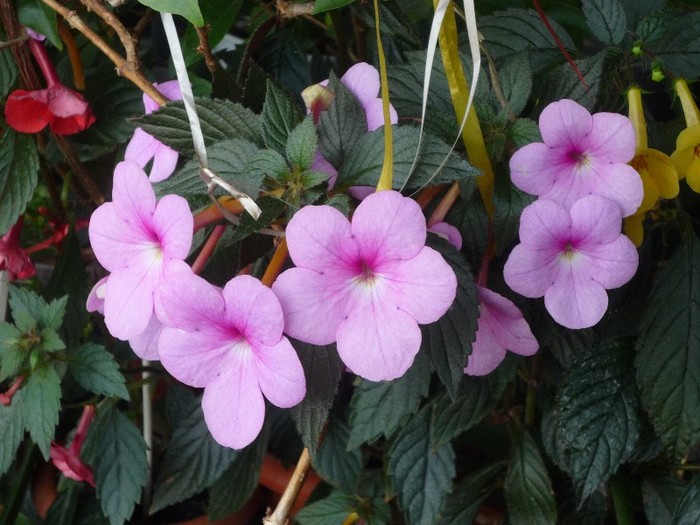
607	20
12	357
117	452
193	459
8	72
302	144
597	417
528	488
379	408
334	462
50	341
687	511
321	6
271	207
342	125
280	115
41	18
52	313
323	364
668	382
422	475
95	369
238	483
463	504
516	81
283	55
469	216
26	307
228	159
219	16
19	166
221	120
448	341
364	163
40	402
523	131
509	203
680	50
12	424
332	510
188	9
268	163
662	492
563	82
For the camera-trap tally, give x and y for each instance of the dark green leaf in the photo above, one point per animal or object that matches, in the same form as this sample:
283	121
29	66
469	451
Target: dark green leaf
221	120
188	9
280	116
193	459
636	10
422	475
563	82
607	20
40	401
448	342
228	159
516	81
26	307
508	203
597	417
334	462
64	510
323	364
118	453
41	18
284	57
237	484
378	408
271	207
12	357
364	163
668	382
268	163
8	72
687	511
662	492
12	426
302	144
219	16
528	488
524	131
342	125
332	510
95	369
680	50
19	166
469	216
464	502
321	6
50	341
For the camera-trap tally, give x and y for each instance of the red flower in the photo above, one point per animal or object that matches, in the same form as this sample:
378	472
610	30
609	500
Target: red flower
13	258
65	111
67	460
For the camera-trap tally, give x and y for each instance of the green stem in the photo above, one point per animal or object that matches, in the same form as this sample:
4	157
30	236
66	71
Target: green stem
13	503
623	509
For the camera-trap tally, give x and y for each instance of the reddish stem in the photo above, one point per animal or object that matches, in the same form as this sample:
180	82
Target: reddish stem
44	62
208	248
6	397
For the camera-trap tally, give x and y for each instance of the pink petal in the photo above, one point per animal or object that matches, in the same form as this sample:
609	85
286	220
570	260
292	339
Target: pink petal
612	264
387	225
360	193
129	300
374	113
362	80
233	406
487	352
619	183
171	91
595	220
377	341
254	310
424	287
132	194
313	304
96	299
447	232
565	123
530	272
545	225
164	163
611	139
574	300
145	345
188	301
536	167
513	332
280	374
173	223
319	238
141	148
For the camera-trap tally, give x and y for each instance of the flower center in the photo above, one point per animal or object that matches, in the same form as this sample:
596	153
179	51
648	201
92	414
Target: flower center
569	252
367	274
581	159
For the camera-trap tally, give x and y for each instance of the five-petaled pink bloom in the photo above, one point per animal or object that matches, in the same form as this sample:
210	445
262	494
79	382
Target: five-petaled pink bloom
365	284
230	343
571	257
582	154
143	147
67	459
501	328
137	240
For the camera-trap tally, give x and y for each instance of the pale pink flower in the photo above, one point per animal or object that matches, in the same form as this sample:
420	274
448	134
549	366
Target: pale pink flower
137	240
67	459
582	154
447	232
365	284
230	343
571	257
143	147
501	328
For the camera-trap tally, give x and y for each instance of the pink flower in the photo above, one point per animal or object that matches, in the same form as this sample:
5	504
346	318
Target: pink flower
581	155
571	257
13	258
501	328
230	343
68	460
143	147
447	232
137	240
365	284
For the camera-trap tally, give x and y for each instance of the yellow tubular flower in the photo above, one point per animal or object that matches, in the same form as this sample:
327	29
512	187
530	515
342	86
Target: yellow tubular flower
686	158
634	228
